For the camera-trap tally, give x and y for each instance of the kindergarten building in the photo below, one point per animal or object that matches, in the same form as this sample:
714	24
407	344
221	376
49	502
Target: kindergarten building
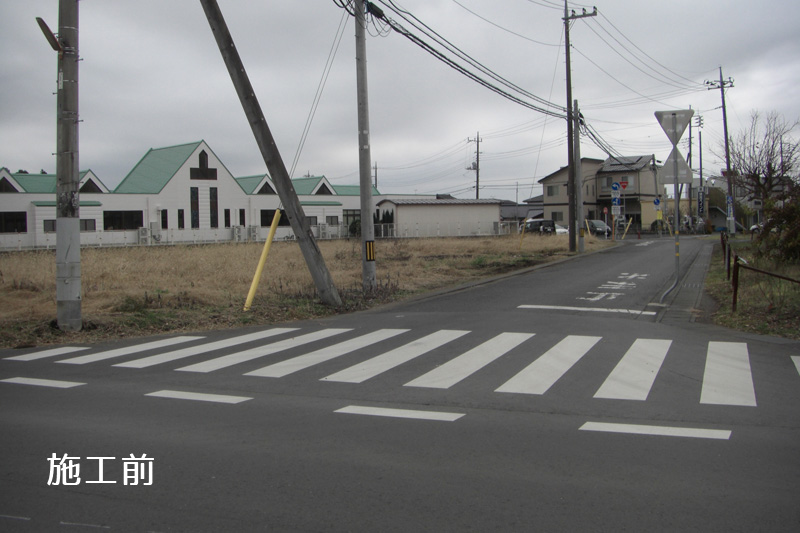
184	194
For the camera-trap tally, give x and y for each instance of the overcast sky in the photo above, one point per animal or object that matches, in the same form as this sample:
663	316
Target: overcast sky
152	76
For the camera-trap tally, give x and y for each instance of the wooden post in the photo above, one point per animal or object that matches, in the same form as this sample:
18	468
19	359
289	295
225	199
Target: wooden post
272	157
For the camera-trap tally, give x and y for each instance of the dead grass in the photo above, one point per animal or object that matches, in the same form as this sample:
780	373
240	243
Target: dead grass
144	290
766	305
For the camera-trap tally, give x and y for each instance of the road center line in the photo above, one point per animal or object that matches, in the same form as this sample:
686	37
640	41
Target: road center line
400	413
661	431
44	382
590	309
198	396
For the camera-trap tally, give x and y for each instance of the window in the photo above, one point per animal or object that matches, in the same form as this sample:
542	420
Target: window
214	207
14	222
181	223
558	216
241	217
227	218
350	216
50	226
268	214
88	224
332	220
194	199
164	219
122	220
552	190
312	221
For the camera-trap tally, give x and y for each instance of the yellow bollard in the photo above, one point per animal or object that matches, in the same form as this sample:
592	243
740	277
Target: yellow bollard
264	253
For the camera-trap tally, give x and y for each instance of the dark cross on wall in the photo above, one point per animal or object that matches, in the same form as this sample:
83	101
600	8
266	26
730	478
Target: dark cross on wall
202	172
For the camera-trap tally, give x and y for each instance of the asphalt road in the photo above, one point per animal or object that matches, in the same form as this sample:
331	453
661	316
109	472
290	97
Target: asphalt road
572	397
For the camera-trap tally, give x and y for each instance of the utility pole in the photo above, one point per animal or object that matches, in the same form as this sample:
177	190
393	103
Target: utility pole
578	221
68	232
722	85
369	282
570	142
272	157
477	165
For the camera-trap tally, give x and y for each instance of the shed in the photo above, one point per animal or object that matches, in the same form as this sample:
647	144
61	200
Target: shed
443	217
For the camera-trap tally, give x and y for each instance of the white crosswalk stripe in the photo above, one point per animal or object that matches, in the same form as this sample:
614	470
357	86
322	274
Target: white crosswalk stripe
636	372
542	374
470	362
203	348
255	353
284	368
727	378
119	352
384	362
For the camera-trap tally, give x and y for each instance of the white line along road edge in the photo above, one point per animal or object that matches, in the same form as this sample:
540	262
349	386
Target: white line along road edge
400	413
660	431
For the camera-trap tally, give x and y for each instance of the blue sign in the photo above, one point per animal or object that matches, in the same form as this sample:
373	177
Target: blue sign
615	186
657	201
616	201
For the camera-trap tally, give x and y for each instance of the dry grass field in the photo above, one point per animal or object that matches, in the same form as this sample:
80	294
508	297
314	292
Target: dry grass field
145	290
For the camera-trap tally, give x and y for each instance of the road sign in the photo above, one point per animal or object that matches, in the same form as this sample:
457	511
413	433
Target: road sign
623	184
605	210
615	186
615	210
615	194
684	172
616	201
656	201
674	131
701	202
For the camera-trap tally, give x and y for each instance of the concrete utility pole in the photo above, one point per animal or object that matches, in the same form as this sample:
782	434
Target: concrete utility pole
369	282
731	201
272	157
579	179
571	193
68	231
477	165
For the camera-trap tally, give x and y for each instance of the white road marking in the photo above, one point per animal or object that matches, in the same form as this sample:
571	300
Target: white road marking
43	382
661	431
119	352
468	363
261	351
400	413
53	352
634	375
588	309
796	359
197	396
384	362
284	368
540	375
727	379
203	348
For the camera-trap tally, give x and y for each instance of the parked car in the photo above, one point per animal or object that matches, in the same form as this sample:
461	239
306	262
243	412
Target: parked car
561	230
541	226
598	227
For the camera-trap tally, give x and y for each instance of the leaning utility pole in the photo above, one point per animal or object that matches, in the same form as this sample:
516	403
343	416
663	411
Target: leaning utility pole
368	280
272	157
571	193
731	201
68	231
477	165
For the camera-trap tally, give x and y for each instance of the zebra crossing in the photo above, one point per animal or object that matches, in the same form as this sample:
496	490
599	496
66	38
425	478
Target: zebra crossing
727	378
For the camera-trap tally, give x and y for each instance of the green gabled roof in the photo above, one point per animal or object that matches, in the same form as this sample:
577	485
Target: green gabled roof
351	190
249	183
36	183
320	204
306	186
52	203
156	168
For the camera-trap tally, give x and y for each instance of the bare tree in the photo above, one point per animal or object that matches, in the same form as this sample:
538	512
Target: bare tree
765	158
